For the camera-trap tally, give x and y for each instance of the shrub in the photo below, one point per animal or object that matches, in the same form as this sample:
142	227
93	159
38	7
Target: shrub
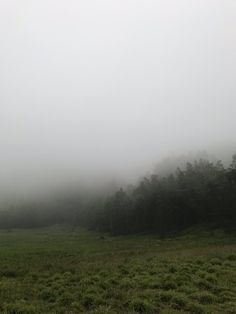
89	300
232	257
172	269
66	299
211	278
141	305
9	273
204	284
166	296
19	307
195	308
215	261
126	283
179	301
48	295
168	285
204	297
77	306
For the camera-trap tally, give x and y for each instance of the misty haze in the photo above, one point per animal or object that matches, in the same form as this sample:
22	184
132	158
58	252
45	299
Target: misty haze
118	156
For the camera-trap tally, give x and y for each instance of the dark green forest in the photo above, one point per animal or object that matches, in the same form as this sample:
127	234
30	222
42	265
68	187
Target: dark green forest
202	193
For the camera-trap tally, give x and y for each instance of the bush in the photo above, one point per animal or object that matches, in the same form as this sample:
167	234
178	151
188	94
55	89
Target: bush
204	297
232	257
195	308
19	307
215	261
89	300
141	305
179	301
48	295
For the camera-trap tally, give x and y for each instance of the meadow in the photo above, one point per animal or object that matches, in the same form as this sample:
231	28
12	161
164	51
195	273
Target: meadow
65	270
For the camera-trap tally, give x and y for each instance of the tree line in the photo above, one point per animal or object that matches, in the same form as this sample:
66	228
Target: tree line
202	193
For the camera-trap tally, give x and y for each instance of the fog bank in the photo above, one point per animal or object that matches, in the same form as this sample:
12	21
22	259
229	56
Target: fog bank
103	89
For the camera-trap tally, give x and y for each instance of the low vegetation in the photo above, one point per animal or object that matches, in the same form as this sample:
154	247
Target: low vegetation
60	270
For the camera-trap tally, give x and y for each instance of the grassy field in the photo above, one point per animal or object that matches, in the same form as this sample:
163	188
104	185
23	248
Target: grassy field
60	270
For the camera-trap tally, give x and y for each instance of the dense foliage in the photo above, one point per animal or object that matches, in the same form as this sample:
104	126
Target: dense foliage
205	192
202	193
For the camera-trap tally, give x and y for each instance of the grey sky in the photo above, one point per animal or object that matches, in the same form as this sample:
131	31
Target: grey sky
111	86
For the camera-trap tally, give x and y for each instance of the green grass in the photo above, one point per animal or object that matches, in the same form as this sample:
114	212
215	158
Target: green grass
60	270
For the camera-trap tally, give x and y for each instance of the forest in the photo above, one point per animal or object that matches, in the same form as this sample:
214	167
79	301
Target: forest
203	193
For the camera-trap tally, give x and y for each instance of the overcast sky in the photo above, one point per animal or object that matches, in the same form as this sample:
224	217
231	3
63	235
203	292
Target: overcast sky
112	86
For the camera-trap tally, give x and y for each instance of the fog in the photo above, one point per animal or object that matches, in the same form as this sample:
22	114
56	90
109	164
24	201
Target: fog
106	89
